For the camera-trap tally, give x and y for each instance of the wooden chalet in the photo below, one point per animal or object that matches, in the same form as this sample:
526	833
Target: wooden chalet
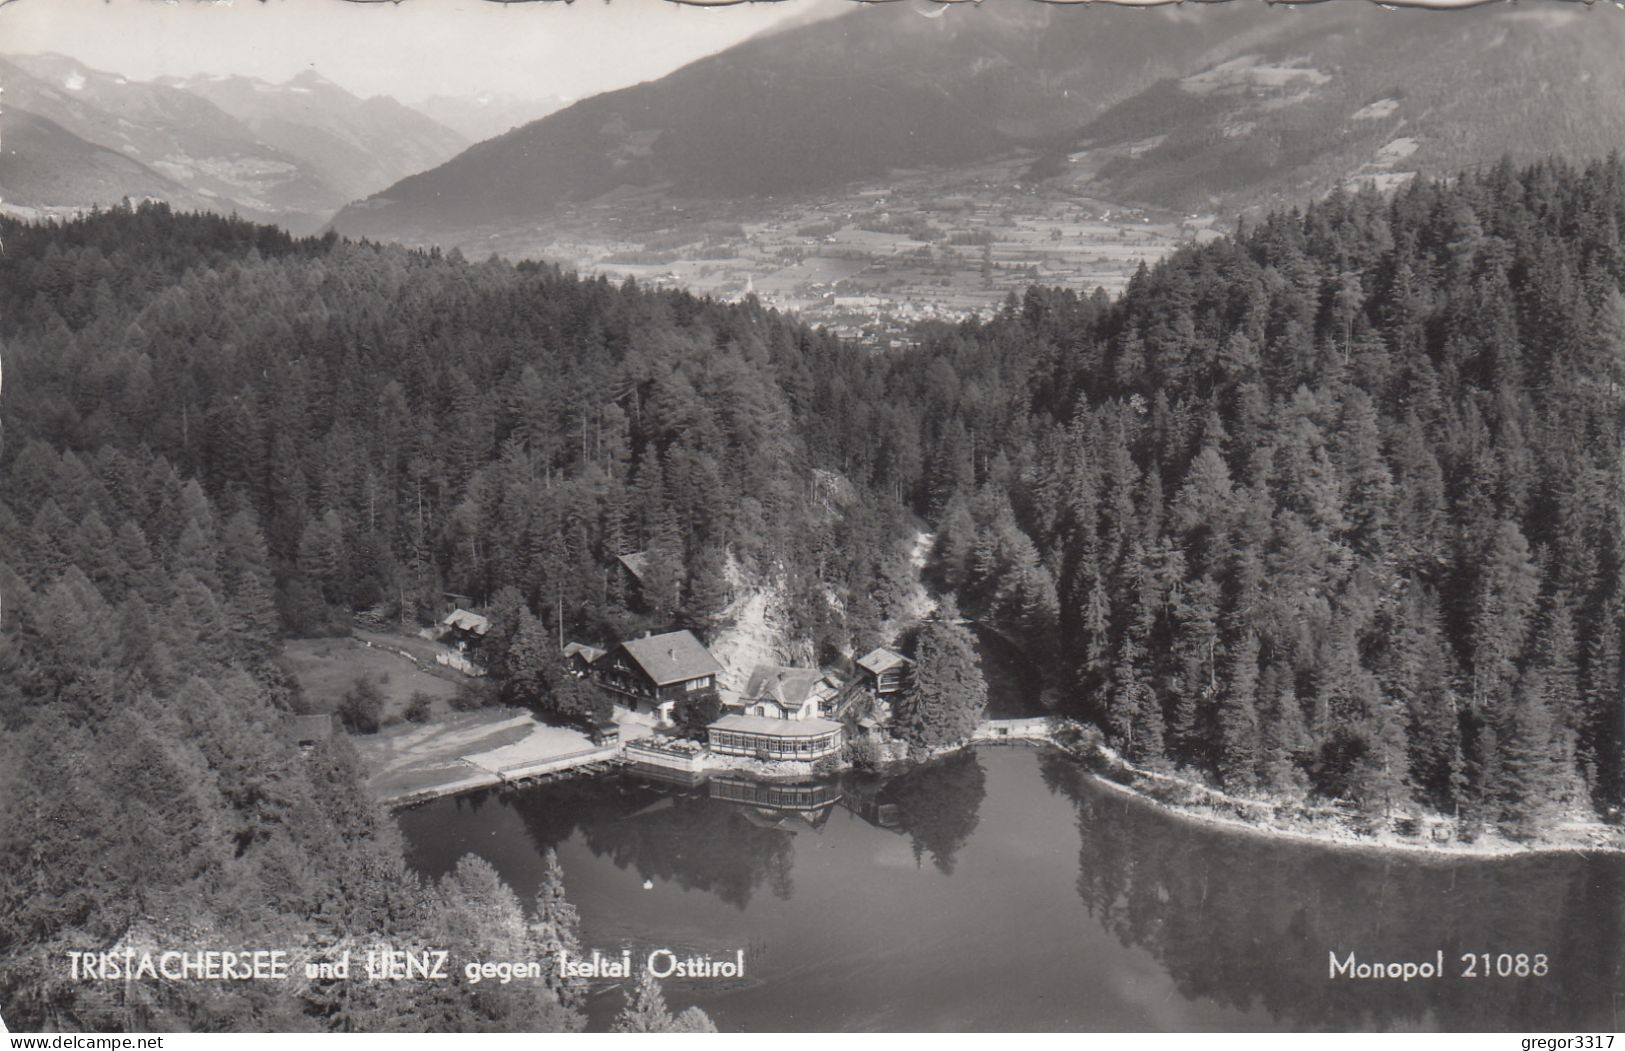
774	692
760	737
885	673
655	672
464	630
579	658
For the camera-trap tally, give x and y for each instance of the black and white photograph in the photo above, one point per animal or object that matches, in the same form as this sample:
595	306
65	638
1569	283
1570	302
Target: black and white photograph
812	516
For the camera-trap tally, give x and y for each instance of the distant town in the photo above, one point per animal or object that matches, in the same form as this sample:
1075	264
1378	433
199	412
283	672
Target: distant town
873	259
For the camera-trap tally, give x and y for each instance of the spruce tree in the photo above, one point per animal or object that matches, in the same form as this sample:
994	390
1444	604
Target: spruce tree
1135	717
1238	715
1503	604
645	1010
946	700
533	663
1527	768
1196	651
556	930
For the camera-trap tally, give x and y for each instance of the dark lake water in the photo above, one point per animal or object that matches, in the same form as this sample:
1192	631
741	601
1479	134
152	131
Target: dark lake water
1002	889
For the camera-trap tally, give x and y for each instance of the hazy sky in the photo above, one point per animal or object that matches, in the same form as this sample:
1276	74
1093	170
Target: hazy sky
410	49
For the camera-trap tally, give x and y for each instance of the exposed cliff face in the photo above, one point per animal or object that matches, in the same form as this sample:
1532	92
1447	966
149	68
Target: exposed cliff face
757	630
920	601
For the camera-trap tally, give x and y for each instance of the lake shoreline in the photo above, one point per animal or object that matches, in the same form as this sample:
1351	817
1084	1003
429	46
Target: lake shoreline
1341	837
1100	763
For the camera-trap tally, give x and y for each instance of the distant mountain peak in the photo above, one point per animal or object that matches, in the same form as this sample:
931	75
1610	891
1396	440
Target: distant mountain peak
311	79
286	153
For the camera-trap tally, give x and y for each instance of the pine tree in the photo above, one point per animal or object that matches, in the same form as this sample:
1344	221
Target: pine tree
1370	484
1283	736
1135	715
645	1010
706	597
663	576
1238	716
321	555
945	702
1528	770
249	586
1422	676
1602	720
956	537
1204	506
556	931
1503	604
1381	781
1196	652
141	572
532	665
693	1020
95	553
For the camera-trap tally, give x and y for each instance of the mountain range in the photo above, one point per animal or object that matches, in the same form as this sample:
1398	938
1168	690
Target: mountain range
1357	93
289	153
1209	108
1201	108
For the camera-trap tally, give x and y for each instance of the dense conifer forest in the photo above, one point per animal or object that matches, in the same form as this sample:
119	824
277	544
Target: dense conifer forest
1331	507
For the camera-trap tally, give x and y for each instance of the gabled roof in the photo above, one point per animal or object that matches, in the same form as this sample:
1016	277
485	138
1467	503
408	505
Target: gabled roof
463	620
636	563
878	661
787	687
584	651
676	656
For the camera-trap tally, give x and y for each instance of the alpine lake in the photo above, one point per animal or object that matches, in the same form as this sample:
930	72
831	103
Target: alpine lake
1004	889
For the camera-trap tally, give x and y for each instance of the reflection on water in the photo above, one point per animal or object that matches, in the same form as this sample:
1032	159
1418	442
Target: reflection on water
1002	889
1244	920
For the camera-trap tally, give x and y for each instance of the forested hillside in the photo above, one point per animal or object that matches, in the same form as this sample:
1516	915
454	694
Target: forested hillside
1332	507
216	434
1334	504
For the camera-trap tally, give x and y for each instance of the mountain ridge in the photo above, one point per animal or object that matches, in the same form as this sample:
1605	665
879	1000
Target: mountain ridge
289	154
1213	108
774	114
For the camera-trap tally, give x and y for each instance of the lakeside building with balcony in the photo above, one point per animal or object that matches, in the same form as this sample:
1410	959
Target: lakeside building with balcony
653	673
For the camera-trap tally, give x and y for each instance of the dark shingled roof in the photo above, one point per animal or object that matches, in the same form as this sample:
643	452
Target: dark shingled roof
674	657
787	687
586	652
463	620
636	563
881	660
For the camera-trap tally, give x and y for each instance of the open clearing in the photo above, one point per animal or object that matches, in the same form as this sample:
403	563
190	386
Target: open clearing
327	668
452	752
